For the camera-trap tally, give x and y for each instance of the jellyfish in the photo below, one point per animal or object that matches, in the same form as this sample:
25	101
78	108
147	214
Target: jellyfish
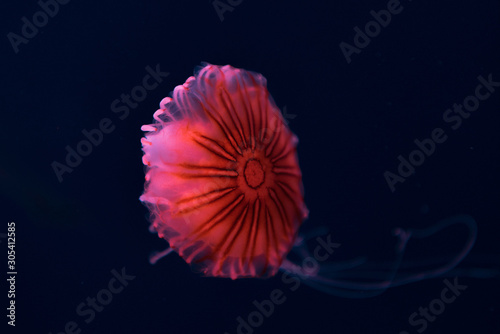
224	188
223	181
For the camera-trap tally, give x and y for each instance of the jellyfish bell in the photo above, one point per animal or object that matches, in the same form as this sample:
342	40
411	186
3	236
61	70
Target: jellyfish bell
224	188
223	182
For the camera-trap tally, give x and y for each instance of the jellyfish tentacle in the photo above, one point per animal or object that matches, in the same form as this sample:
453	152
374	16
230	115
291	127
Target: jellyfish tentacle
466	220
360	278
155	256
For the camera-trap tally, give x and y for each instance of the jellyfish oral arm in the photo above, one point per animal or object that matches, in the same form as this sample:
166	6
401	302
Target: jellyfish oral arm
361	278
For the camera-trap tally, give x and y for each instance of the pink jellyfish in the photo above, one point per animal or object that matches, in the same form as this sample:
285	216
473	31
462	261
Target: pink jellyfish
223	182
224	188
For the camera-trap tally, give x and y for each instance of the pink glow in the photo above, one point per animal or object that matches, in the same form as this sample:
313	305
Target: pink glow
223	182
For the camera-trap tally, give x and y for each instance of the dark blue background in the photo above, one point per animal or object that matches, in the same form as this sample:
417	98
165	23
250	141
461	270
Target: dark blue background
352	120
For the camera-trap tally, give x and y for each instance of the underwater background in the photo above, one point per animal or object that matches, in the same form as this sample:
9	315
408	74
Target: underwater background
359	84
